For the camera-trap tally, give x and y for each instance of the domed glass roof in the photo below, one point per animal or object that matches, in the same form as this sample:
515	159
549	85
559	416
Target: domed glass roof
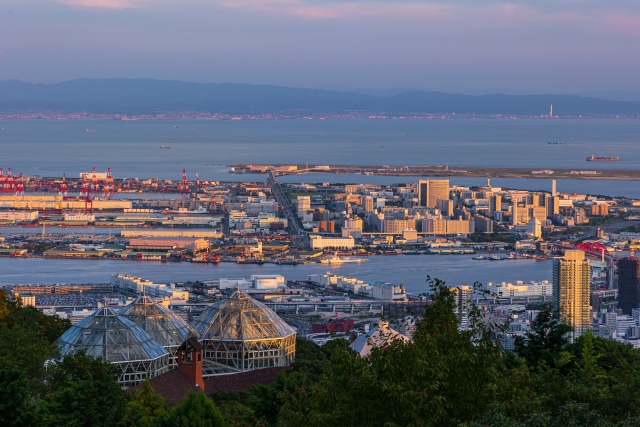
110	336
241	318
164	326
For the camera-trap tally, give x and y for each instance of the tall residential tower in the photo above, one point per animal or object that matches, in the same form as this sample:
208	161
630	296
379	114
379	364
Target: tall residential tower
572	291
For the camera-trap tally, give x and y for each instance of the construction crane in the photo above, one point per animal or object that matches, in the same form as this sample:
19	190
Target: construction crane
3	181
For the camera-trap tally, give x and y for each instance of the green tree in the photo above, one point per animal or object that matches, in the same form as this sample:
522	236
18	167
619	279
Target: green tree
545	343
145	408
16	408
447	376
83	391
195	410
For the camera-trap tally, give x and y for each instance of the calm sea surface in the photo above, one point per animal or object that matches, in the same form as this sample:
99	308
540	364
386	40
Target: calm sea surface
132	149
411	270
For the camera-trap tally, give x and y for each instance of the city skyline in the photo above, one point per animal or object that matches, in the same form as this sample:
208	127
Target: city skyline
521	47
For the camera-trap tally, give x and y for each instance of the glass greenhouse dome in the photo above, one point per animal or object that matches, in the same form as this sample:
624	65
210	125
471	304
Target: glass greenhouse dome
165	327
120	341
243	334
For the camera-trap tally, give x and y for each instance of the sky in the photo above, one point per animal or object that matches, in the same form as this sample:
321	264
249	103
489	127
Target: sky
467	46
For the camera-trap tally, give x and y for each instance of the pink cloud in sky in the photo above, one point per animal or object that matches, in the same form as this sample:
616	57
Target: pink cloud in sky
104	4
474	14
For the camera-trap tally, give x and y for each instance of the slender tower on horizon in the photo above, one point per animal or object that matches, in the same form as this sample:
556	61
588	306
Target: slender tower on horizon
551	110
553	187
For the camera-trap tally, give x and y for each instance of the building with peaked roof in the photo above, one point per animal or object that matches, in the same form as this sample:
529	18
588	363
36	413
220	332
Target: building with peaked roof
241	334
164	326
378	336
188	376
119	341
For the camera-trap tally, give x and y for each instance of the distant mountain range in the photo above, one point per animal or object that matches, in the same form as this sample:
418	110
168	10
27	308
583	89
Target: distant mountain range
147	96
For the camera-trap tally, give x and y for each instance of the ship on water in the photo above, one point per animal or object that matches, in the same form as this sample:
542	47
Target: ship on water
556	142
342	260
593	158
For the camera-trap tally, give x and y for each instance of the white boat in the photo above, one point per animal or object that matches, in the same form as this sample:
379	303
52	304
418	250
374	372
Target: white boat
185	211
342	260
479	257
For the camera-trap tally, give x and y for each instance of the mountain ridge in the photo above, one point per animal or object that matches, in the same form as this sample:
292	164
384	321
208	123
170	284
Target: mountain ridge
152	96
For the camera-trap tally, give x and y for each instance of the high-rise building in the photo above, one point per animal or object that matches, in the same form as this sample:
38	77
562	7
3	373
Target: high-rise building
628	284
495	204
553	207
553	187
572	290
304	204
445	206
367	203
431	190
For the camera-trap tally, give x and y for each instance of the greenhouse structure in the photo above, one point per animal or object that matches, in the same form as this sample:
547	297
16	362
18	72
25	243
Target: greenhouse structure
120	341
239	334
162	324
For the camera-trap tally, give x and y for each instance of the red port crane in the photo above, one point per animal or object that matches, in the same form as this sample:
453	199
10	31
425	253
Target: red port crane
10	182
95	186
198	182
3	181
184	185
63	187
84	190
109	185
20	185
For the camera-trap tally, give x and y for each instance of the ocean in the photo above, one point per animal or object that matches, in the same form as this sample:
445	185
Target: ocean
132	148
410	270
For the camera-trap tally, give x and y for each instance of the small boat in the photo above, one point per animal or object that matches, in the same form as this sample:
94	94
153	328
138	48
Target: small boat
479	257
175	127
164	146
406	134
495	258
556	142
89	130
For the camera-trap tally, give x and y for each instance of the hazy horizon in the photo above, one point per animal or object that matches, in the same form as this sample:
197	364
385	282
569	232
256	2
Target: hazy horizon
459	46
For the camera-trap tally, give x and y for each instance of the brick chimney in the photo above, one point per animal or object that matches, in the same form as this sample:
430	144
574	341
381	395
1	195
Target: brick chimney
190	355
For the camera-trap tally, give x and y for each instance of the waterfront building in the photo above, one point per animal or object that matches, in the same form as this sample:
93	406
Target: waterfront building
160	243
432	190
321	242
571	290
628	284
241	334
141	286
119	341
18	215
521	290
